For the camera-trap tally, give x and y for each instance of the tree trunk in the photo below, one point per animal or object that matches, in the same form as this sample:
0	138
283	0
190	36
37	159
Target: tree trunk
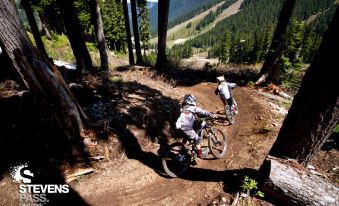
314	112
128	33
163	9
36	71
136	31
99	31
34	27
75	34
268	70
292	184
54	19
44	27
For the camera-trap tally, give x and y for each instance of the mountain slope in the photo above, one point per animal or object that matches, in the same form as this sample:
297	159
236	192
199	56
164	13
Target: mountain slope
177	9
187	29
257	16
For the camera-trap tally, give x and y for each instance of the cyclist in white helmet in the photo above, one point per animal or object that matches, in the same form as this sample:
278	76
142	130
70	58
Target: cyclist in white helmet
224	91
187	117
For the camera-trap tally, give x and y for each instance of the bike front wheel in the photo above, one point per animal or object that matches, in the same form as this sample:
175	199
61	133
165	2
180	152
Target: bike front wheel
176	159
217	142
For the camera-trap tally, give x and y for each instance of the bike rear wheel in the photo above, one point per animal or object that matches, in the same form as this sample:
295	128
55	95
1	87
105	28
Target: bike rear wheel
176	159
229	114
217	142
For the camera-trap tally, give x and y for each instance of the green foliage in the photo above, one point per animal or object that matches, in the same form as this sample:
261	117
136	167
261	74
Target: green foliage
150	59
224	54
184	10
189	24
114	26
144	24
180	51
84	16
116	80
59	48
336	129
211	16
255	24
249	186
293	79
91	47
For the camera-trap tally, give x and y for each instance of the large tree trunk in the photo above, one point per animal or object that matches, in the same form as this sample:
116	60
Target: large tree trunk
39	75
163	9
99	31
128	33
292	184
34	27
269	69
136	31
75	34
314	112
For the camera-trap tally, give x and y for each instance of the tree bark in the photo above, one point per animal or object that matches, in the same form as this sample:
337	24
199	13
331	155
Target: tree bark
36	71
99	31
34	27
269	69
128	33
292	184
163	9
136	32
314	112
75	34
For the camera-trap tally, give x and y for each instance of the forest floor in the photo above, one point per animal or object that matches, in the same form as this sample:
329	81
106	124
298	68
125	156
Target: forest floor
141	107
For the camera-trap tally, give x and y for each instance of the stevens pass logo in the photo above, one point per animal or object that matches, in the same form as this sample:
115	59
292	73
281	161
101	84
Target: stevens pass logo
21	173
33	194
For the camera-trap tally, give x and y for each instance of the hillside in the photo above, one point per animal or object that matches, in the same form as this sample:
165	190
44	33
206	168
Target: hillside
178	9
187	29
257	16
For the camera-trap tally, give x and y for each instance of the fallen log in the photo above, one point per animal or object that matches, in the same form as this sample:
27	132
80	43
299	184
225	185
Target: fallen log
274	97
292	184
277	90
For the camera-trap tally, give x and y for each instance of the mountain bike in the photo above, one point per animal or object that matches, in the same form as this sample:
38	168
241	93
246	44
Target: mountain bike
231	111
179	156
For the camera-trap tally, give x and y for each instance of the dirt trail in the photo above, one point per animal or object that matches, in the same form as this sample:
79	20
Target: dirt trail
133	183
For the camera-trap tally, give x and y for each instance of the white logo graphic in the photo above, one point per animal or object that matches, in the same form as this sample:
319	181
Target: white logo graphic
21	173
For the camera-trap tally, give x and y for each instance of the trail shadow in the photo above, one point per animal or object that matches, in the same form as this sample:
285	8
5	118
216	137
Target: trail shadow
141	117
29	135
231	179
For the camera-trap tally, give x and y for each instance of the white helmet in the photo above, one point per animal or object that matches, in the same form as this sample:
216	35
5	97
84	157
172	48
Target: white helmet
221	79
190	99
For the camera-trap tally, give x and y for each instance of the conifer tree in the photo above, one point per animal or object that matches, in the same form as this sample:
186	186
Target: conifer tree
144	24
224	54
114	27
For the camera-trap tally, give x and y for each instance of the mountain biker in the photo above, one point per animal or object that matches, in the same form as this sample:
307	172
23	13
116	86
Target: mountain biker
224	91
187	119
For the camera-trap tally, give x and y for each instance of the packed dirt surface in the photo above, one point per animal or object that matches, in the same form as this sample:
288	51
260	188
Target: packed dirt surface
131	182
142	107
